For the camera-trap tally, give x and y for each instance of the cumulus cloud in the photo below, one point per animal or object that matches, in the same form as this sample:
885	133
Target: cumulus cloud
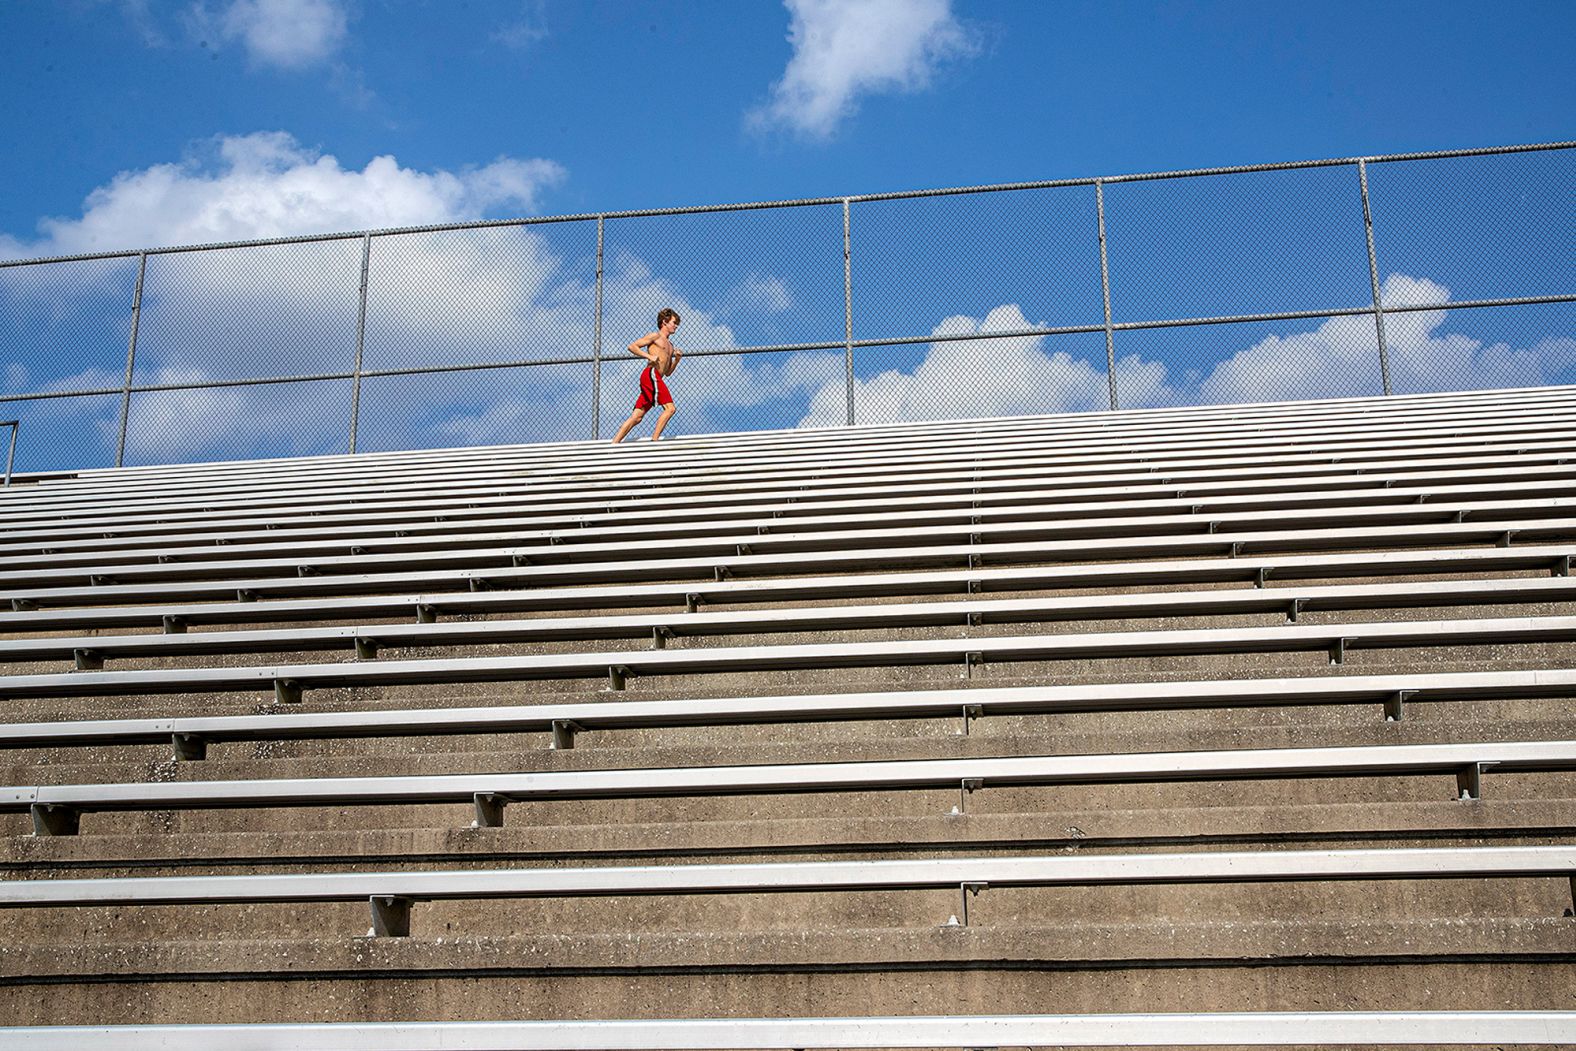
268	185
285	34
843	49
1017	375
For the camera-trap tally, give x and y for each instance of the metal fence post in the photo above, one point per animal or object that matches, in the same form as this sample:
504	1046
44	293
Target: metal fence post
1373	276
1105	292
10	456
848	312
361	339
596	359
131	363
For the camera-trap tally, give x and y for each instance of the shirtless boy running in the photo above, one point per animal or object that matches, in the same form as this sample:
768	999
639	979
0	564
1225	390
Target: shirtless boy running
663	357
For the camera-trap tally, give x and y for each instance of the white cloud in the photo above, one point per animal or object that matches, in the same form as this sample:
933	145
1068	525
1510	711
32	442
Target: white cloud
287	34
1015	375
845	48
268	185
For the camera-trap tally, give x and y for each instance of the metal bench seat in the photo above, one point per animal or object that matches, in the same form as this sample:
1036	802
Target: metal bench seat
392	893
1136	551
385	470
289	681
725	587
929	511
1245	493
364	640
464	527
653	484
1387	694
1542	514
57	809
1202	1029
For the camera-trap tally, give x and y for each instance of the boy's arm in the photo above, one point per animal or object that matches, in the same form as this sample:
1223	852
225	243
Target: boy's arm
637	348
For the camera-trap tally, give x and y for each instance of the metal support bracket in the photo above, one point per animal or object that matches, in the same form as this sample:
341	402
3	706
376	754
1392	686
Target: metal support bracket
743	550
366	649
174	625
617	676
390	916
1395	705
692	602
517	560
975	587
965	892
1338	651
1294	611
308	571
721	573
245	595
479	584
1469	782
1562	566
102	580
974	620
970	713
1259	576
564	731
52	819
23	605
287	691
426	614
966	786
489	810
660	636
1506	537
970	660
189	748
88	660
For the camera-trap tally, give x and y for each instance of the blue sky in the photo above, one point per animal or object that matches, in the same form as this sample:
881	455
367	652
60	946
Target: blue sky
132	123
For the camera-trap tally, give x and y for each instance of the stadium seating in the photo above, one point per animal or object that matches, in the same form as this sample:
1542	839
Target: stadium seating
1225	725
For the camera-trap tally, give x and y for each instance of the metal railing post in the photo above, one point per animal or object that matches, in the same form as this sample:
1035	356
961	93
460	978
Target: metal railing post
361	339
596	360
131	363
10	456
848	312
1105	292
1373	276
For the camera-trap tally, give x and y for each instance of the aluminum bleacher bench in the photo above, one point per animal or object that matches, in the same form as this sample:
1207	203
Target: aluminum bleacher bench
1388	694
289	681
392	893
1204	1029
1187	465
431	606
228	579
57	809
92	651
931	512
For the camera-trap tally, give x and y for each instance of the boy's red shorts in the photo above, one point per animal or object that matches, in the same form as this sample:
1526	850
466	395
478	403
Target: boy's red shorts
648	395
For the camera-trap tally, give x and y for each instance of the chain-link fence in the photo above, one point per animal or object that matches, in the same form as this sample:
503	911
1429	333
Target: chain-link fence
1335	278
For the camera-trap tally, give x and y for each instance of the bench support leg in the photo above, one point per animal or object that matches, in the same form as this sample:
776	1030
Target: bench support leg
51	819
390	917
189	747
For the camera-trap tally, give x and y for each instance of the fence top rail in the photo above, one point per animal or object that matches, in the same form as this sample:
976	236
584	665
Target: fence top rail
802	202
1202	1029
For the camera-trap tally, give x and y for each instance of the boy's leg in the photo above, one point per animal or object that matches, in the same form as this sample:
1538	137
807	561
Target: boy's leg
625	427
668	409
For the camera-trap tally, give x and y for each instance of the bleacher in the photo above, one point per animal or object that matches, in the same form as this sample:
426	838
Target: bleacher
1218	726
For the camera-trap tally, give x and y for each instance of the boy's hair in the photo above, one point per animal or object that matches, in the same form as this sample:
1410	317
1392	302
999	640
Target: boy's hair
665	313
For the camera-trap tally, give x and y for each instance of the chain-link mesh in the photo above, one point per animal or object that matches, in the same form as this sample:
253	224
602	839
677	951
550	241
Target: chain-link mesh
1030	258
506	406
62	434
1489	348
1456	229
238	422
942	311
1248	362
1002	376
